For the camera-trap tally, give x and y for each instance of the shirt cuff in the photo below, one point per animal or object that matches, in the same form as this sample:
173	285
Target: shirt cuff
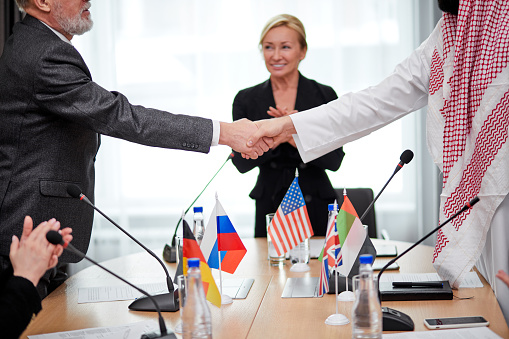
216	130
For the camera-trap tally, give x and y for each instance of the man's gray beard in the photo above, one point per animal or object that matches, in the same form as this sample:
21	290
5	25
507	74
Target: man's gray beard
75	25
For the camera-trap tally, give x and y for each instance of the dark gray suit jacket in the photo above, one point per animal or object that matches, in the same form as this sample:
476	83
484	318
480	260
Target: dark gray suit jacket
51	116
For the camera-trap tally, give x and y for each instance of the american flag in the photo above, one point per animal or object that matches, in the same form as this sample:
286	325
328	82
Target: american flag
290	225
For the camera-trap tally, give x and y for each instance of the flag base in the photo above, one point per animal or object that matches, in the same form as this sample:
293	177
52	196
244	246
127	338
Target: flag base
337	320
346	296
226	299
300	267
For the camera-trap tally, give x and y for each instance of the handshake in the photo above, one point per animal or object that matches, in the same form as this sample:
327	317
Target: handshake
252	139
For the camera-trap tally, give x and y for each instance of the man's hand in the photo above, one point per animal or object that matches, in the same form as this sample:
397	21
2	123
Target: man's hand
279	130
32	255
235	135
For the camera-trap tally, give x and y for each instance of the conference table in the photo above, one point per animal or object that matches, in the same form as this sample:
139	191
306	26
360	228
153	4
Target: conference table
263	313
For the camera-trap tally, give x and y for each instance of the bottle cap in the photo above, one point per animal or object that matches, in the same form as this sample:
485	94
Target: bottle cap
197	209
193	262
366	259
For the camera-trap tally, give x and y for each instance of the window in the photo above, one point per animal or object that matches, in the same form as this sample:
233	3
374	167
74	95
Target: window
192	57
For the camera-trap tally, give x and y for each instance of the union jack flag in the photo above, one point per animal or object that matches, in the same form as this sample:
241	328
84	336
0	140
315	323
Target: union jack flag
330	253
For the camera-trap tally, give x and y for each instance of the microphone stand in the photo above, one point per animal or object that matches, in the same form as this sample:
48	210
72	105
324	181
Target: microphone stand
398	321
168	301
54	236
170	251
405	158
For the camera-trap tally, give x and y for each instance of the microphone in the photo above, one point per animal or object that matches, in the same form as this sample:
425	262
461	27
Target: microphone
405	158
393	320
168	301
170	252
55	238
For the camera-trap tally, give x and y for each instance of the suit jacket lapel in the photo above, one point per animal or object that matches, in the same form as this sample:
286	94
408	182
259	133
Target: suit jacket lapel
265	99
306	94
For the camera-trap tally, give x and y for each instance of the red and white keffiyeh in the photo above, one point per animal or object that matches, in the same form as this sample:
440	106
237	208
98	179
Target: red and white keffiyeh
468	122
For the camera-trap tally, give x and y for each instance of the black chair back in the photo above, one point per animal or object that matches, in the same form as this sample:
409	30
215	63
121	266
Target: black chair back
361	198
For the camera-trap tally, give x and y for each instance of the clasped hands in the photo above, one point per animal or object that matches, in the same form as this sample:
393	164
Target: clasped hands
252	139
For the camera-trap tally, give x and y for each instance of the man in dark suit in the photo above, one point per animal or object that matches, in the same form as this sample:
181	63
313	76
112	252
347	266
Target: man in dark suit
52	115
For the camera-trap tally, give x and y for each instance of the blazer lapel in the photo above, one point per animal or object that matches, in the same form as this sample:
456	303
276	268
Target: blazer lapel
265	99
306	94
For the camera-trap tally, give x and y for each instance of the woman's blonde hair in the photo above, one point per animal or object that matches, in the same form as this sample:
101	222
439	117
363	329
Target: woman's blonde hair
289	21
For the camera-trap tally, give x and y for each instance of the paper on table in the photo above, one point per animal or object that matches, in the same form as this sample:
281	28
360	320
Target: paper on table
460	333
471	279
129	331
115	293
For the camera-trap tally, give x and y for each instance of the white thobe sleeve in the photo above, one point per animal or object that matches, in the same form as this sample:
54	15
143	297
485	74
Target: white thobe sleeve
325	128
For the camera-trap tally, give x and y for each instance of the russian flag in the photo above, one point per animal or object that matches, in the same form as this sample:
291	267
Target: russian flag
220	235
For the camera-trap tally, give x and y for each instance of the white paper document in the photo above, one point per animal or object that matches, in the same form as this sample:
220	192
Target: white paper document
129	331
460	333
471	278
115	293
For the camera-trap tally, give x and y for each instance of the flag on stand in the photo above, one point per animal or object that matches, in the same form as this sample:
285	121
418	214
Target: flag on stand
353	238
290	225
329	255
192	250
220	235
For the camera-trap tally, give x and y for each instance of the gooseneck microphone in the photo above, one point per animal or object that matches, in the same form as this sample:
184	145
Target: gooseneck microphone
55	238
405	158
170	252
168	301
398	321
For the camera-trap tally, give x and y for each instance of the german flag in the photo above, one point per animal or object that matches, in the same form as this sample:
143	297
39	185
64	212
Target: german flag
192	250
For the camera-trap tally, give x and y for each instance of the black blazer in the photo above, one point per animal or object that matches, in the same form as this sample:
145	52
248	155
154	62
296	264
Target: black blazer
277	167
51	116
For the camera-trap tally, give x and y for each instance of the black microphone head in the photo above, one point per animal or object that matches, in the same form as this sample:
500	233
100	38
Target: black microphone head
406	156
74	190
474	201
54	237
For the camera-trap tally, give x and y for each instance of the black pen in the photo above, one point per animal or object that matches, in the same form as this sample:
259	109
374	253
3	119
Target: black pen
417	284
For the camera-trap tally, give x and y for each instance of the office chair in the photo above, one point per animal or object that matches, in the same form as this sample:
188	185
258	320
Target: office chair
361	198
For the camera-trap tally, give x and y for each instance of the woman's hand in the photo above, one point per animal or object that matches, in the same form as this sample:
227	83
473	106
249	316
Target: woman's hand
279	111
32	255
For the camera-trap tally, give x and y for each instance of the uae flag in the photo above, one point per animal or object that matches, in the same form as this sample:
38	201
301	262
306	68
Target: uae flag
353	238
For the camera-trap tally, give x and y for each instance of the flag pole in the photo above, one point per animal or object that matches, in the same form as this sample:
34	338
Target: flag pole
334	215
225	299
346	295
337	318
299	266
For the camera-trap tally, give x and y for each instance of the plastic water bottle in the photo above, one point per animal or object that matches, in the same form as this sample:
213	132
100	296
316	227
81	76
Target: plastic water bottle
198	225
196	319
366	312
331	209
